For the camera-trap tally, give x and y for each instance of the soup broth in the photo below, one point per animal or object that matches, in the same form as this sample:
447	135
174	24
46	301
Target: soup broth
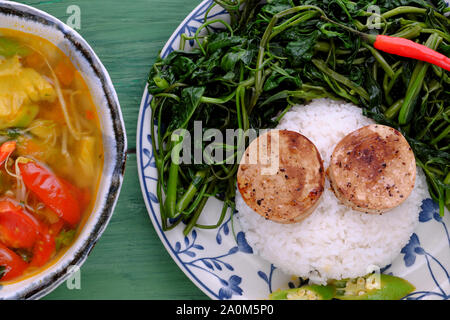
51	153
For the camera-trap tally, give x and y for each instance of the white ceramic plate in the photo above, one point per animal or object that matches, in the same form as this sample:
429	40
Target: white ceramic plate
224	268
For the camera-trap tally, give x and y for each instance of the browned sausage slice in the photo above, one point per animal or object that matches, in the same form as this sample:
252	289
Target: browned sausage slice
292	191
372	169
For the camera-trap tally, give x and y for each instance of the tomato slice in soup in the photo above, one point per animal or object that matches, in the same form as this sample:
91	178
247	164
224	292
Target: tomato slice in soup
51	190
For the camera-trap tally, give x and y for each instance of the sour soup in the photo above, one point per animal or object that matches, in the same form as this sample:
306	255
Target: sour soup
51	153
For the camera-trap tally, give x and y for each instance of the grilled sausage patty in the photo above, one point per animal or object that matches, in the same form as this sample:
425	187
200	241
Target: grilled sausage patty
291	192
372	169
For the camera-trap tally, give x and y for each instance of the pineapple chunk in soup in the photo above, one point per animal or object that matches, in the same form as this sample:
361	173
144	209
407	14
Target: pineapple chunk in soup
51	153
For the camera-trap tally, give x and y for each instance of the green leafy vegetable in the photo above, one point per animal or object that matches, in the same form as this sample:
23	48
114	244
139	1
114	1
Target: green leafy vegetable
64	238
283	52
301	50
9	48
2	271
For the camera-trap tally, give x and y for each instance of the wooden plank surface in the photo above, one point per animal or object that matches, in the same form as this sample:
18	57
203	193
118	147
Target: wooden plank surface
129	261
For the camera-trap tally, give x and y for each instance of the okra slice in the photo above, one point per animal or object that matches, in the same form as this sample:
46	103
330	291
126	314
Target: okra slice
373	287
309	292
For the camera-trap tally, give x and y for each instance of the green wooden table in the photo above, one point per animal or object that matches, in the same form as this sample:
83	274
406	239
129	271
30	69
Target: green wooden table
129	261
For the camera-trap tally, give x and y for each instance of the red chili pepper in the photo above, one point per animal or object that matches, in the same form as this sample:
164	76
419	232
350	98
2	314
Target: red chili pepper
6	149
400	47
410	49
51	190
18	228
13	263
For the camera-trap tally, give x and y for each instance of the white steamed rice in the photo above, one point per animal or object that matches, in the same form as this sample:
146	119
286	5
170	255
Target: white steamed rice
335	242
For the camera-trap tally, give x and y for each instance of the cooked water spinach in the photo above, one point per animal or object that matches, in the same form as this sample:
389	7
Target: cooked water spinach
248	72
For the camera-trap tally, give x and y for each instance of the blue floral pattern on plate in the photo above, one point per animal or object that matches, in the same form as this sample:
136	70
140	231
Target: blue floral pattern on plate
221	262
